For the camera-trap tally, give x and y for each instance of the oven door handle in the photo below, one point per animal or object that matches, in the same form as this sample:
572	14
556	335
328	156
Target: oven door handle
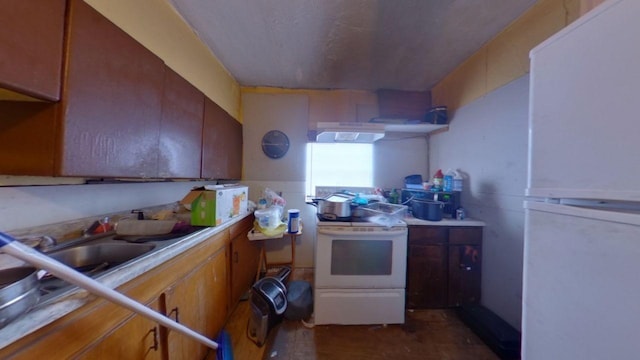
385	233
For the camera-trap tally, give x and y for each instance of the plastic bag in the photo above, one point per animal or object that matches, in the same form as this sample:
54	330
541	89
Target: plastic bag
269	220
273	199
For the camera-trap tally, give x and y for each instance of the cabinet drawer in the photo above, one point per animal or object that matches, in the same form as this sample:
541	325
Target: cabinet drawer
241	227
427	235
465	236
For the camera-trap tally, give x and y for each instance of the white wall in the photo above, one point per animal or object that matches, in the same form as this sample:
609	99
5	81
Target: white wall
394	159
487	140
261	112
28	206
287	113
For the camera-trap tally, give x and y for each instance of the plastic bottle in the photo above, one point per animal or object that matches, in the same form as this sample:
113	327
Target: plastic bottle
262	204
437	181
104	226
293	223
394	197
457	181
447	183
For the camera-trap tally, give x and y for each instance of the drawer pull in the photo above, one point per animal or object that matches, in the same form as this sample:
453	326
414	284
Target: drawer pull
175	310
154	331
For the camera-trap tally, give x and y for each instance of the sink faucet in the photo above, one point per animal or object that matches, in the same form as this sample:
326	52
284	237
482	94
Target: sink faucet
40	242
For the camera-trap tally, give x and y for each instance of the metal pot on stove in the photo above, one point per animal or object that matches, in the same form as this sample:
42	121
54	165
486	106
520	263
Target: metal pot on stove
427	209
333	207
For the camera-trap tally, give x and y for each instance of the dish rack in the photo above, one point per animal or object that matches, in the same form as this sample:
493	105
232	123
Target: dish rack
385	214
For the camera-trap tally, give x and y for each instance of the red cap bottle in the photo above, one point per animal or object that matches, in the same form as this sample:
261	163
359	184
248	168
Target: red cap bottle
437	180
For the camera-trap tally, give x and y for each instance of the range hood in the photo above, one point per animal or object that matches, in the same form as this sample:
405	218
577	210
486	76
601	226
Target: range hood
368	132
349	132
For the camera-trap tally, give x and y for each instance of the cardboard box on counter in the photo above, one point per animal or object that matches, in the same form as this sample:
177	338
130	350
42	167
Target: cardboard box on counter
212	205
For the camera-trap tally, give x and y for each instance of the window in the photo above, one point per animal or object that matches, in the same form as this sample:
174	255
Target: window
339	164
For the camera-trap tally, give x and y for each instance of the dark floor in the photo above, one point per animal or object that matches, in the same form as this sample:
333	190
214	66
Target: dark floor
426	334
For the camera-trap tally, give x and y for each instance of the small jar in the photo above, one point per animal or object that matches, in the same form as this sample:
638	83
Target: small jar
293	223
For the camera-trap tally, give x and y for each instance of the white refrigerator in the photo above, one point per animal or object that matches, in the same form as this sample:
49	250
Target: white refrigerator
581	285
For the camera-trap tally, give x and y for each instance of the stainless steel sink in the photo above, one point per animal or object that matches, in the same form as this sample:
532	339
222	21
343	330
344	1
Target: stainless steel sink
91	257
96	256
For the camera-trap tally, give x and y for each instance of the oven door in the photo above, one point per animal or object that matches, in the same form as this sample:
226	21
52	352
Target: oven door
361	257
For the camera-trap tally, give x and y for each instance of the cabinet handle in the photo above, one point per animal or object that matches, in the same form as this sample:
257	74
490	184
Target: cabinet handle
154	331
175	309
464	267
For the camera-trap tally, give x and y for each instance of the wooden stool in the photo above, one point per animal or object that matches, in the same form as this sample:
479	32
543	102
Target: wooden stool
262	264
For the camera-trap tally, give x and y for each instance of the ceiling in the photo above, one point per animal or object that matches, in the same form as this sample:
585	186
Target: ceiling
346	44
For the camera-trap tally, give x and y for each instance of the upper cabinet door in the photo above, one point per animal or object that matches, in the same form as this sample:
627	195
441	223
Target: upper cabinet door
221	144
31	48
111	101
181	128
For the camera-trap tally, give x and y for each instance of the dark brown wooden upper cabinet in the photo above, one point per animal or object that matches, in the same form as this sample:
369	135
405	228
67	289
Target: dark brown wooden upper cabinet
31	48
180	128
234	148
221	144
112	98
27	138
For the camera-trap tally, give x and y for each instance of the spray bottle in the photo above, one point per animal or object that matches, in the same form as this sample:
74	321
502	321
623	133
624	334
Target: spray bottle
437	181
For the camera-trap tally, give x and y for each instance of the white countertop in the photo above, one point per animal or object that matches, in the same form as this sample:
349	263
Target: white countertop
74	298
410	220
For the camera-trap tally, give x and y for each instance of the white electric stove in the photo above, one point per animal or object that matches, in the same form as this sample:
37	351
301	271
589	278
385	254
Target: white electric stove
360	273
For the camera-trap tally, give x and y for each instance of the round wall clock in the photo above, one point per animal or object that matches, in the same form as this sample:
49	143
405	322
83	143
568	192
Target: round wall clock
275	144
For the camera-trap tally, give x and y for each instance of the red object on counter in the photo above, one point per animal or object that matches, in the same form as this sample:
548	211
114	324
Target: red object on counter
103	227
438	180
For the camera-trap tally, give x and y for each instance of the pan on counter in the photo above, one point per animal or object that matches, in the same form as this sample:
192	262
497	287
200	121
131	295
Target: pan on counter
19	292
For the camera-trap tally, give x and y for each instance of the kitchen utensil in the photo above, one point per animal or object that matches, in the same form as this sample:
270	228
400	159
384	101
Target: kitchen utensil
39	260
18	292
427	209
334	207
451	200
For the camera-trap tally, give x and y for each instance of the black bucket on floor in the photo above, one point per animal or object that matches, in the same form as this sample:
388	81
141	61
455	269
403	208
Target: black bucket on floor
299	300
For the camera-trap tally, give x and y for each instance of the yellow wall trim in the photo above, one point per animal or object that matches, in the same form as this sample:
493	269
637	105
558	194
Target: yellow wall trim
506	57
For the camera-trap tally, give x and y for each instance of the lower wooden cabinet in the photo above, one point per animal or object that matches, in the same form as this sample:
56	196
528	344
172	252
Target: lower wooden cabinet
427	267
245	256
136	338
443	266
192	288
197	301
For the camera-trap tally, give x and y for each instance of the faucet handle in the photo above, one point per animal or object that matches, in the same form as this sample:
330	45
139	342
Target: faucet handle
139	212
